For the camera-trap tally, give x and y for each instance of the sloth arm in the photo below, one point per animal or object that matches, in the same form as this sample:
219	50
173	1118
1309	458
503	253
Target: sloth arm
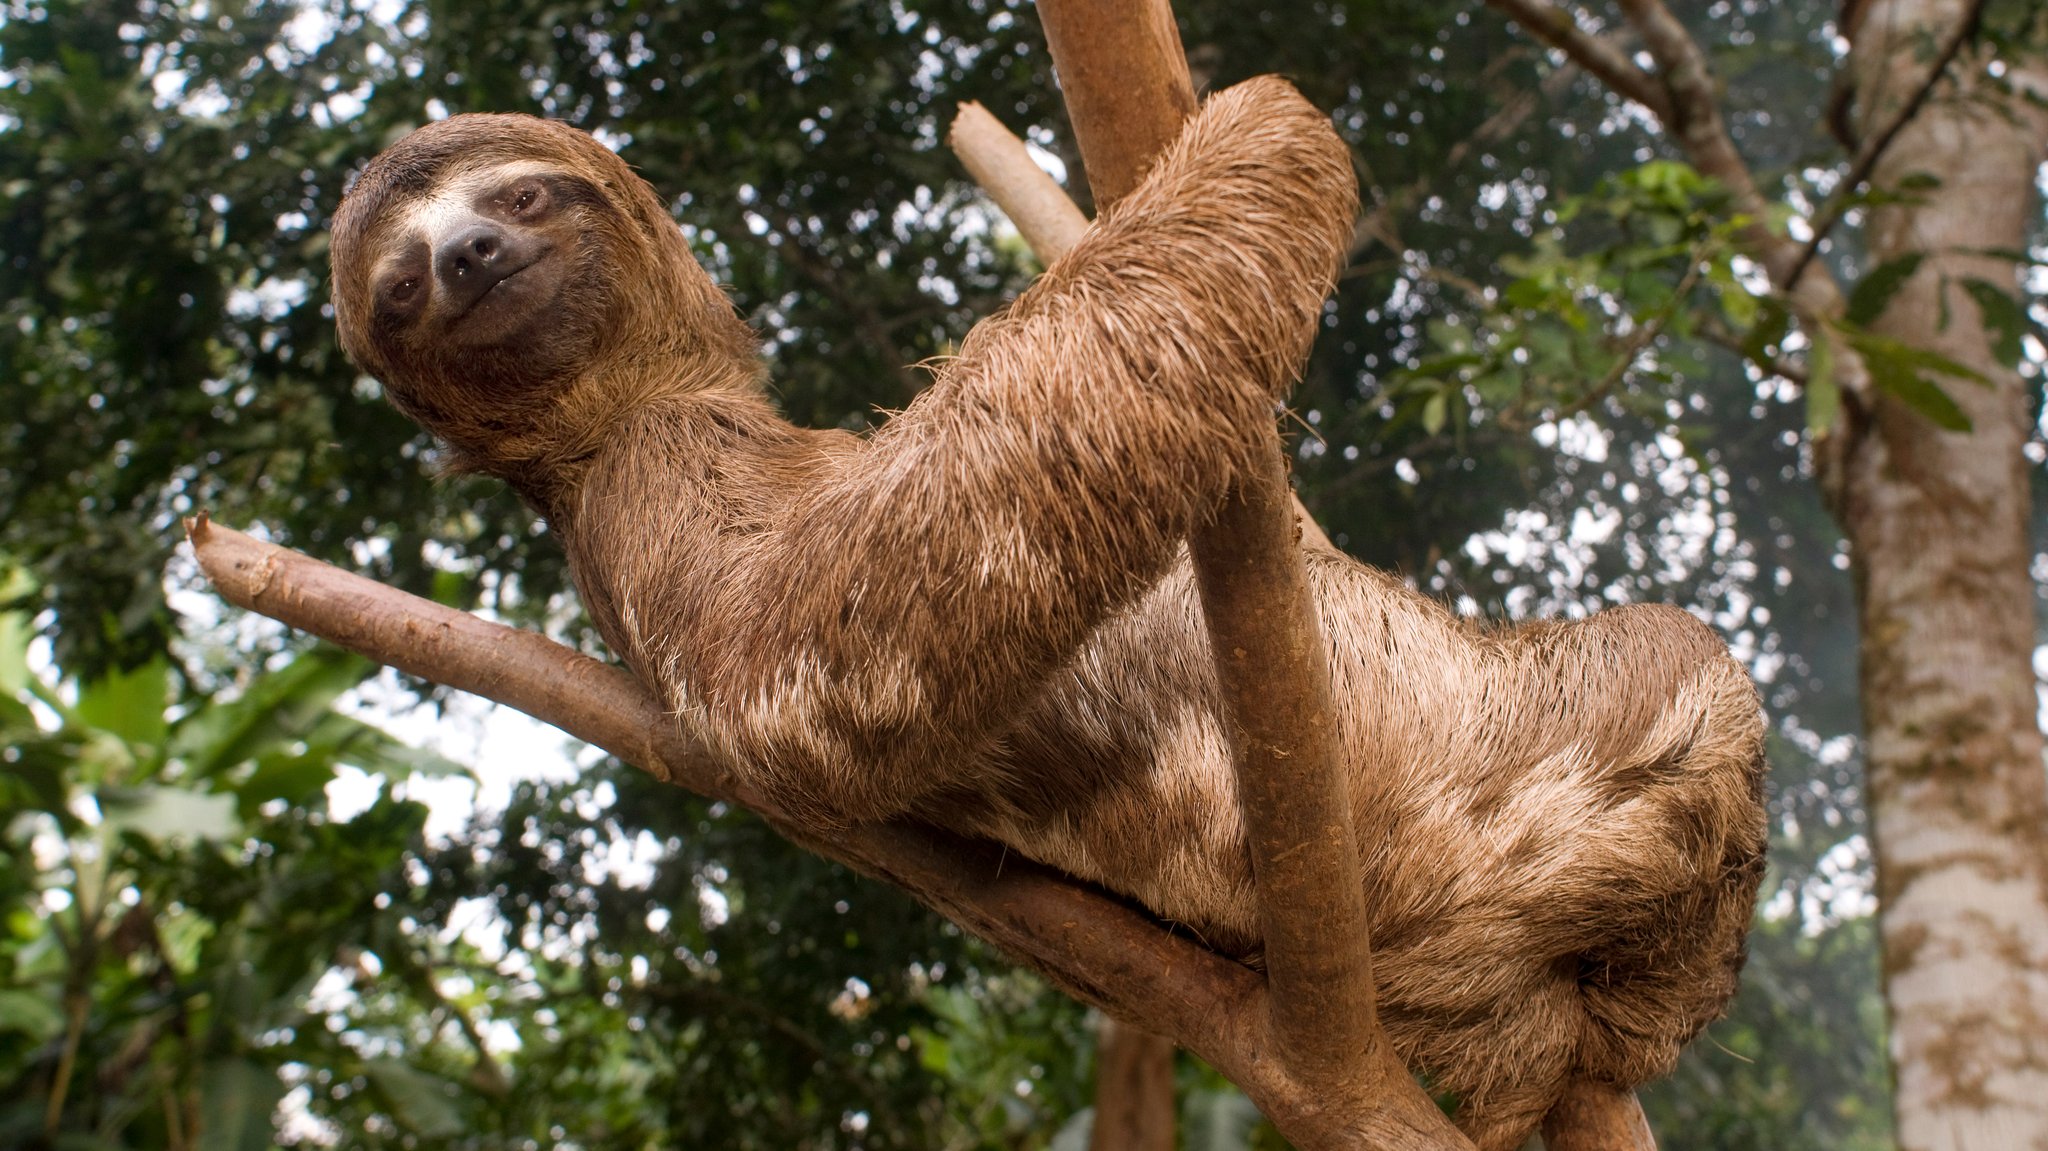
915	595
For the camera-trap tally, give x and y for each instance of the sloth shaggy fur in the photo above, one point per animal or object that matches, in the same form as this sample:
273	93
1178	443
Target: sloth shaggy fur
982	614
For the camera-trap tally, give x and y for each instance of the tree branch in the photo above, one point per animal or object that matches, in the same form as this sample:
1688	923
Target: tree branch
1561	30
1811	293
1127	90
1094	947
1043	213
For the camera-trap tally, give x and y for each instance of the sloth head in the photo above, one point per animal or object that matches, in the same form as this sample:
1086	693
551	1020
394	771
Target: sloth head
514	285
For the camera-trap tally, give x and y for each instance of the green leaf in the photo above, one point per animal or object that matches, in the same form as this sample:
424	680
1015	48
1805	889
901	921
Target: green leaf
278	707
2003	318
423	1104
238	1097
169	813
339	738
1926	397
296	779
129	704
1885	350
1877	288
1823	391
1433	412
30	1014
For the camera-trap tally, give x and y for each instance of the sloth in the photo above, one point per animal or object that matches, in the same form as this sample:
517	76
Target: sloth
982	614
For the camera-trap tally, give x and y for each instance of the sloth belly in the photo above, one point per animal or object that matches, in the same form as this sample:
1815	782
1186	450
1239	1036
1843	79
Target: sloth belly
1560	829
1149	812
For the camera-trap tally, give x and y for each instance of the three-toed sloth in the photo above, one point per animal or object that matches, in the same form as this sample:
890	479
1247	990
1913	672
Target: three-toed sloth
982	614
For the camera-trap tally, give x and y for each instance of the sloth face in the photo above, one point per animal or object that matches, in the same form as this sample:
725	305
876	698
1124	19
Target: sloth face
479	263
476	264
503	274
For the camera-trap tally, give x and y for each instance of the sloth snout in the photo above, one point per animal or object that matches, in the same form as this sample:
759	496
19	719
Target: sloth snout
471	263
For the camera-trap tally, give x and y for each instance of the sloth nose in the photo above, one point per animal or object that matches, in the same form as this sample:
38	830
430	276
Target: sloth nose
470	263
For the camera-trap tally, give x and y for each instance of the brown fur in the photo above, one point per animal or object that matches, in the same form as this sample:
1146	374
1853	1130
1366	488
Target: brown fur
981	613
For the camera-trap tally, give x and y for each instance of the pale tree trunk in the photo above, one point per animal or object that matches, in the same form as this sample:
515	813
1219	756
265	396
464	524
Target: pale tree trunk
1938	523
1133	1090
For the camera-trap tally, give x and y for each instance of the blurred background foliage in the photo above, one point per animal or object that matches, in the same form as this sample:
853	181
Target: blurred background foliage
1545	386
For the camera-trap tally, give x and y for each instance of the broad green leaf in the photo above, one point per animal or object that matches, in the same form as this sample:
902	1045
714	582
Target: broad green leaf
296	779
278	707
16	720
1433	412
165	813
1920	393
1878	349
423	1104
1879	285
2003	318
238	1097
129	704
27	1013
345	739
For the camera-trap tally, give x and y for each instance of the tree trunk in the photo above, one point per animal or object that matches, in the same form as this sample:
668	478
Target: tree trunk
1938	522
1133	1090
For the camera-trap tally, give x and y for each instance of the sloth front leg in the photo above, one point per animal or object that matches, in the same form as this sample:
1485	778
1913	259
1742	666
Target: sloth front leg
928	585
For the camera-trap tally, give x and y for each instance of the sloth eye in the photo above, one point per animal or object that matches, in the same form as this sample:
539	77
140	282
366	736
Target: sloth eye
525	198
403	290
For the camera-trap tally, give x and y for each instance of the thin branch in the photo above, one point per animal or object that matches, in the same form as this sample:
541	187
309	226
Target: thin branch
1874	148
1640	339
1561	30
1126	84
998	160
1713	331
1095	948
1810	292
1377	225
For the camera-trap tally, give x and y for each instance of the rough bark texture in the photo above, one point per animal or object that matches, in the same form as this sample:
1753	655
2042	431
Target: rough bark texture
1134	1103
1939	525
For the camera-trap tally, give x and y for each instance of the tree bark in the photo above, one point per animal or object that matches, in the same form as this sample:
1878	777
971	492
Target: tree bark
1134	1097
1938	523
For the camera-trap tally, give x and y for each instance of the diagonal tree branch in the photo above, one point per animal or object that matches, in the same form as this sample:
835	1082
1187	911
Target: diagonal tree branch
1044	214
1561	30
1094	947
